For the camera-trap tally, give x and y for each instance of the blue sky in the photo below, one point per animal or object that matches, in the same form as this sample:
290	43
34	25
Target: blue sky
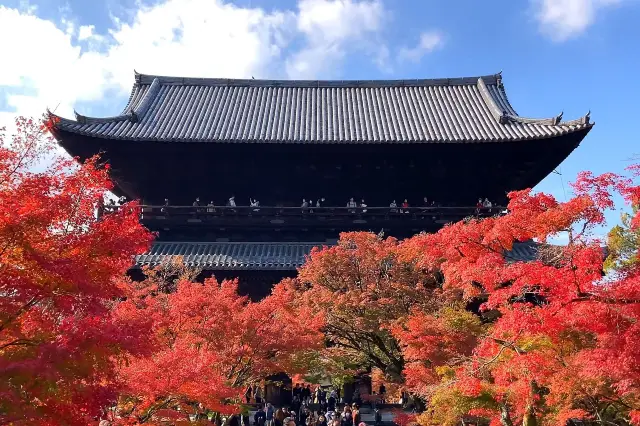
556	55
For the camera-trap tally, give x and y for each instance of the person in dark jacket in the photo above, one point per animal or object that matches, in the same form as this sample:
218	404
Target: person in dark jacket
260	417
347	420
269	414
378	417
331	403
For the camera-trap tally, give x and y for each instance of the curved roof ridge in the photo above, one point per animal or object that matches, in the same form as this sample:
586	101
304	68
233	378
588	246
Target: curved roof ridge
85	119
502	110
145	79
147	99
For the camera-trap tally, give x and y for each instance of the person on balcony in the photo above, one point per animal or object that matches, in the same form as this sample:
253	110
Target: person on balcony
211	208
487	204
405	206
165	206
196	205
111	206
304	206
232	203
363	206
352	205
393	207
254	204
320	202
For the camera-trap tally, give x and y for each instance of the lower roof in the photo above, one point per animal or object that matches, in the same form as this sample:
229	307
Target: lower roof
276	256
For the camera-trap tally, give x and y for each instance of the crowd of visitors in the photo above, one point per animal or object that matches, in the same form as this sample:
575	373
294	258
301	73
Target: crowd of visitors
319	407
308	205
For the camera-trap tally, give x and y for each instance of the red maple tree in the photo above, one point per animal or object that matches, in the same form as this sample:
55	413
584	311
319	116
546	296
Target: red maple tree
560	340
59	277
210	343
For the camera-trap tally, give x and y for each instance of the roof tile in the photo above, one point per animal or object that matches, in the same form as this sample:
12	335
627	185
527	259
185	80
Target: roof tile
264	256
405	111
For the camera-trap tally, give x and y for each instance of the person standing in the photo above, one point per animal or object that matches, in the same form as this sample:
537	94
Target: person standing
405	206
377	417
331	402
278	418
363	206
165	206
355	414
260	417
257	394
352	205
347	420
269	414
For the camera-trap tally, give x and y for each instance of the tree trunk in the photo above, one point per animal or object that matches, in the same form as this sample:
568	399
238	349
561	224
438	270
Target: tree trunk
505	417
529	418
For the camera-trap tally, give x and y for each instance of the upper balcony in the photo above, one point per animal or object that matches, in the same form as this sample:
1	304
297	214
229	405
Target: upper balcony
398	221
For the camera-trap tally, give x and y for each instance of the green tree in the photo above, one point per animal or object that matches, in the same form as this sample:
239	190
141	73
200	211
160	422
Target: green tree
622	243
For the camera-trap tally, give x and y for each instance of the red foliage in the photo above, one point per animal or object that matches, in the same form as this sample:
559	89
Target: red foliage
210	344
564	343
58	279
402	418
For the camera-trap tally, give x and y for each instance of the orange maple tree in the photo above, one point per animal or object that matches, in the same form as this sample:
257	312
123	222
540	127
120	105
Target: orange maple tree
363	288
59	277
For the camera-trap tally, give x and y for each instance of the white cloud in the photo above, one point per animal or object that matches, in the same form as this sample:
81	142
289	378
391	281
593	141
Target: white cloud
85	32
429	41
61	64
332	28
43	67
561	20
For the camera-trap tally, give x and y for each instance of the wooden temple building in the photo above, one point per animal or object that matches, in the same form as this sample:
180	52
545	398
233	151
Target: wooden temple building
452	140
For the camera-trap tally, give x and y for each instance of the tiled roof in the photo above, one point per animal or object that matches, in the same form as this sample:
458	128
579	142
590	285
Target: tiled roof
230	256
523	252
474	109
263	256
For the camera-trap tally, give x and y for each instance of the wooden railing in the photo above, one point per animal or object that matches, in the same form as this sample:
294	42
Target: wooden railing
211	212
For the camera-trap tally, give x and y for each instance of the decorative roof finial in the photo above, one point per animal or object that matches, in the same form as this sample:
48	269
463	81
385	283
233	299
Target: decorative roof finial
79	117
558	118
587	117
